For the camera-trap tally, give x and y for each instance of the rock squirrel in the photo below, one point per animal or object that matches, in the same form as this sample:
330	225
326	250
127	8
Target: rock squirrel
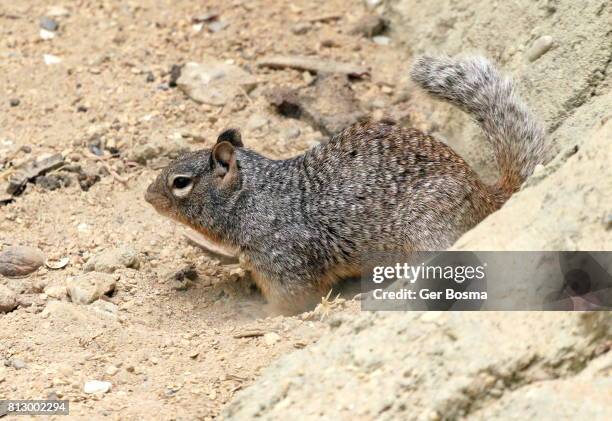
301	224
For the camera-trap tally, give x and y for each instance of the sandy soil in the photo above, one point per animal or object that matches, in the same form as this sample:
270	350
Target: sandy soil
170	351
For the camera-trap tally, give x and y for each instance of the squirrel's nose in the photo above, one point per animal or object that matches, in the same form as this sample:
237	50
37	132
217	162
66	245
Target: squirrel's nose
150	193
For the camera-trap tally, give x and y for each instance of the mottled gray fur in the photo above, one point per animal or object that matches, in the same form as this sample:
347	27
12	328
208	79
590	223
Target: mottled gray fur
303	223
474	85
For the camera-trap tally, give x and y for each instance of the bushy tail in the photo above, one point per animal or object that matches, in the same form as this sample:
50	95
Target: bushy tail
474	85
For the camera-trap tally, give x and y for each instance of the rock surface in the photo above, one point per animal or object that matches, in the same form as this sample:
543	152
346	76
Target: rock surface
416	368
558	85
563	211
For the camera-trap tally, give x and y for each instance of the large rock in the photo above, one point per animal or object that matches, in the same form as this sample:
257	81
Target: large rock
214	82
564	210
431	366
569	76
557	399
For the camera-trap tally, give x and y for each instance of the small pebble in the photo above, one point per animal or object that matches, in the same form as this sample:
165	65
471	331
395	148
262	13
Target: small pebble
150	77
257	121
50	59
89	287
217	26
307	77
538	169
97	386
539	48
378	104
8	299
292	133
18	364
44	34
95	149
14	102
48	24
431	316
271	338
57	292
381	40
88	175
53	181
369	25
111	370
113	259
329	43
58	11
175	73
372	3
300	28
205	17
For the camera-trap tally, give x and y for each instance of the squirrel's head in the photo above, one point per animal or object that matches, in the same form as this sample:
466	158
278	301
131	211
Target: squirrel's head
196	187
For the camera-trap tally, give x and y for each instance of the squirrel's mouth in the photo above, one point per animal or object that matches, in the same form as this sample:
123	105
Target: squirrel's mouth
159	201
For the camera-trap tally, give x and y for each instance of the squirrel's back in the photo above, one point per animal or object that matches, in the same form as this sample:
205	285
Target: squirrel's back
374	186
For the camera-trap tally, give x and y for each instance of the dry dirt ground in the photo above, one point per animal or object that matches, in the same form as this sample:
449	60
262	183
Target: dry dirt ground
170	349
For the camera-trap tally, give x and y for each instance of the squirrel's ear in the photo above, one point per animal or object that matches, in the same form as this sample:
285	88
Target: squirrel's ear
232	136
223	160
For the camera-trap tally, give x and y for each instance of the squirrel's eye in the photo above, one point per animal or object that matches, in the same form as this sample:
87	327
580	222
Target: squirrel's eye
181	185
181	182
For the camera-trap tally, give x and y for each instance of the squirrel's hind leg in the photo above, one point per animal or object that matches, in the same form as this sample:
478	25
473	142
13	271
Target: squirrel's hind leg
285	296
290	295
